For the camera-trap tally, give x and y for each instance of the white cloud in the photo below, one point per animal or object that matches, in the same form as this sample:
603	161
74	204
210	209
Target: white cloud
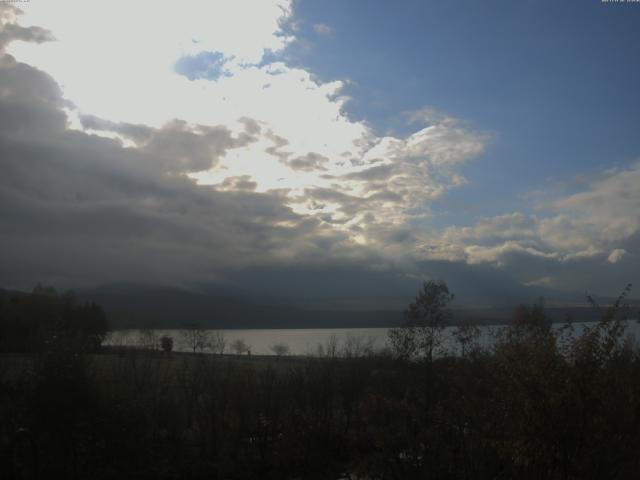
609	209
564	244
117	62
616	255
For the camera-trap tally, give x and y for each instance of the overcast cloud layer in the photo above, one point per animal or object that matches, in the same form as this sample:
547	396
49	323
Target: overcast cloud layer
118	168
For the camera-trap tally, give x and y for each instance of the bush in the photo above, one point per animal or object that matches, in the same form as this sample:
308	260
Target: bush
166	344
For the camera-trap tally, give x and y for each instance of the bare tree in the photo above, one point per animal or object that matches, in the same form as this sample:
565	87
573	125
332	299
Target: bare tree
357	346
196	338
466	334
218	343
329	349
147	339
239	346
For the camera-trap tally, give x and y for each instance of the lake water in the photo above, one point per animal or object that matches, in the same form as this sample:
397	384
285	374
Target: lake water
308	341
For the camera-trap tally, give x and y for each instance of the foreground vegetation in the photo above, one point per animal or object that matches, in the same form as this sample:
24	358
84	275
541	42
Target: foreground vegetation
540	403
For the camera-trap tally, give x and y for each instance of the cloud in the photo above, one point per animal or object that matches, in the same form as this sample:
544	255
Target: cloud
616	255
309	162
111	200
569	242
12	32
199	125
120	193
238	183
322	29
179	146
128	170
78	208
130	76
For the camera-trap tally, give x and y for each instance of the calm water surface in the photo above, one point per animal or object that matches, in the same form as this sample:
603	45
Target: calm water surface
306	341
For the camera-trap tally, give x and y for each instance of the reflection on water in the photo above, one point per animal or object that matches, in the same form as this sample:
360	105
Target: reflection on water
309	341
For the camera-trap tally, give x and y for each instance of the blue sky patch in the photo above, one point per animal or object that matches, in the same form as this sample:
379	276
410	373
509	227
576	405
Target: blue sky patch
206	65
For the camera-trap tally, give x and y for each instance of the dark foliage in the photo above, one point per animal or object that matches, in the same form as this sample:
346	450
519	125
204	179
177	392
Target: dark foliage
166	344
426	318
28	322
539	404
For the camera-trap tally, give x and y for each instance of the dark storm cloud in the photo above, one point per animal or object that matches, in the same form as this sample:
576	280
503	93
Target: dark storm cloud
30	104
353	284
78	208
179	146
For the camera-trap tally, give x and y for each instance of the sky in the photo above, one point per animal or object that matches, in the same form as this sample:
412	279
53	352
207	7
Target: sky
340	152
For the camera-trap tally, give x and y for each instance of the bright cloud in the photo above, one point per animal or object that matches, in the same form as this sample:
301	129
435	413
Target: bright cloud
616	255
118	62
332	168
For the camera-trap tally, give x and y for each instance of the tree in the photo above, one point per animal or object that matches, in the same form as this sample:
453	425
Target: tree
218	343
28	322
196	338
426	318
166	344
466	333
605	340
530	327
280	349
147	339
239	346
329	349
357	346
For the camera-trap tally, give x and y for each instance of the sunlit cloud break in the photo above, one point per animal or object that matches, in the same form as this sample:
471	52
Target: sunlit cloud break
292	133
